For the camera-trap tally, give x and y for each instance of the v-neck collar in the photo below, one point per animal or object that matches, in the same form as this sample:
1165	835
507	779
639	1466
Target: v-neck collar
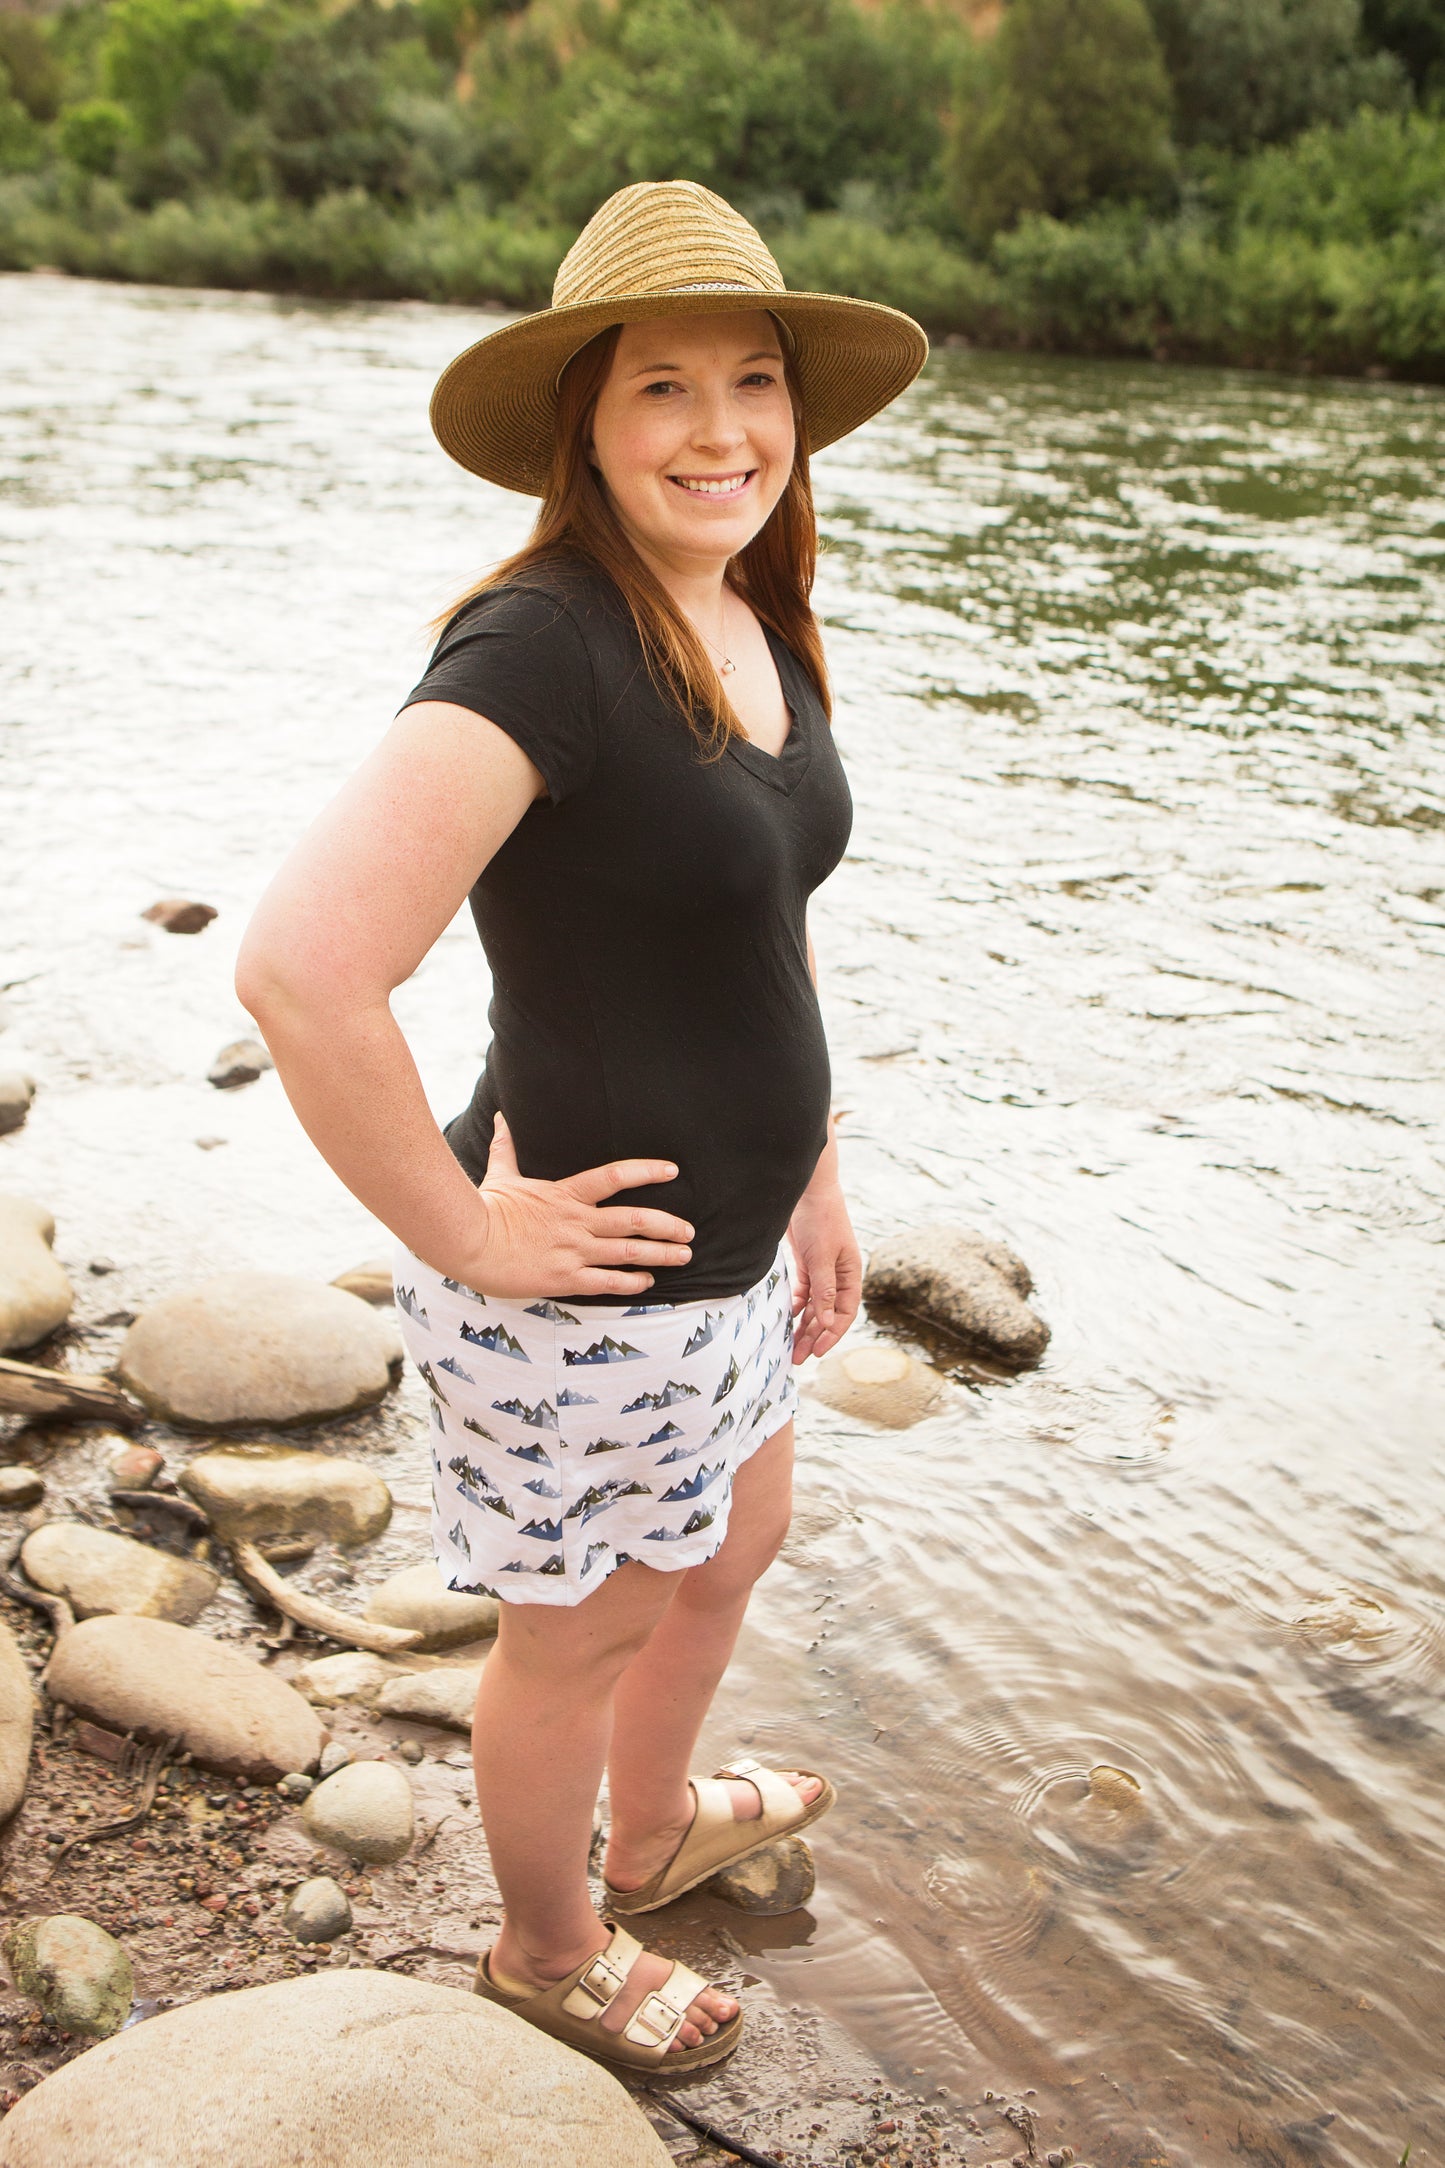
784	769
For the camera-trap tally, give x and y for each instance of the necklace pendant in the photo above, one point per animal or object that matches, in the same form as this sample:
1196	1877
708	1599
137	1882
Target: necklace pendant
728	667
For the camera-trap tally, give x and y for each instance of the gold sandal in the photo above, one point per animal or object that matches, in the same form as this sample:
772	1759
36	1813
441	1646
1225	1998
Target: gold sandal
716	1838
570	2009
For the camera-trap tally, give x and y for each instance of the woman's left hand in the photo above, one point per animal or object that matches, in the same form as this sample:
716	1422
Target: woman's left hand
828	1271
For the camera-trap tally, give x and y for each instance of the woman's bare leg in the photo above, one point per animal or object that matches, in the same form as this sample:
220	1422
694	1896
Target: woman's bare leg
664	1693
539	1741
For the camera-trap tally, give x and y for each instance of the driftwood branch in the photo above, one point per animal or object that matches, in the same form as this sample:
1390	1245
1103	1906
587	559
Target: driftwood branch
26	1389
264	1581
140	1501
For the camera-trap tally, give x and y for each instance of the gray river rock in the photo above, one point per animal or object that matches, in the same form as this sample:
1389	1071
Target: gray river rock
445	1696
97	1572
20	1487
35	1292
278	1492
164	1681
17	1090
308	2073
417	1598
318	1910
779	1878
972	1286
257	1347
355	1675
17	1723
79	1975
365	1810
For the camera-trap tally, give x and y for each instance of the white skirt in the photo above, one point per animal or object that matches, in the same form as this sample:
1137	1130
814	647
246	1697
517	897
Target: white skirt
568	1441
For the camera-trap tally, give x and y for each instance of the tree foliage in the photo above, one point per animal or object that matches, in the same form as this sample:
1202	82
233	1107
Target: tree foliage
1247	72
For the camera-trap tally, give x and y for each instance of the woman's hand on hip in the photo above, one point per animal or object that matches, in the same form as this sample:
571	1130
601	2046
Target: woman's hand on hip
828	1276
558	1238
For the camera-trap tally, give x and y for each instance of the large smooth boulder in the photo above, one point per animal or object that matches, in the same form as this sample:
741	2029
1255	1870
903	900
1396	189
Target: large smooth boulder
17	1723
257	1347
973	1287
164	1681
35	1295
446	1696
878	1382
418	1597
77	1973
97	1572
277	1492
346	2069
366	1810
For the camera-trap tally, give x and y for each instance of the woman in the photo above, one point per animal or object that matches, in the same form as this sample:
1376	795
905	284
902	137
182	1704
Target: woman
621	753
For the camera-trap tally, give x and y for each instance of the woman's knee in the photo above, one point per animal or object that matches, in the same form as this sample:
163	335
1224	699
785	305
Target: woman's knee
589	1644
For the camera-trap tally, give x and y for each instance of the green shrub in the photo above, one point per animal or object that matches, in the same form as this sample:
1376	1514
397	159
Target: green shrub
94	134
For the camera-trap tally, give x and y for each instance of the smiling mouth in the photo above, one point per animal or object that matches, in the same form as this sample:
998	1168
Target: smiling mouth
713	485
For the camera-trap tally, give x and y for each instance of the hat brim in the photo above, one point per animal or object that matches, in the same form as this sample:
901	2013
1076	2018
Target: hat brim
494	407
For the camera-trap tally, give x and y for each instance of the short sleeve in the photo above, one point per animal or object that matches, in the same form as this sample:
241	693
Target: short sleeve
516	656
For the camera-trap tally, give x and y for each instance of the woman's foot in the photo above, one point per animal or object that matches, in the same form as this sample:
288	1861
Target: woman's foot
513	1971
633	1859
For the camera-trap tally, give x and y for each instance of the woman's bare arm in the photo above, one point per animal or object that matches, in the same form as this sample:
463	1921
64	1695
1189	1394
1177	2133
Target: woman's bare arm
367	891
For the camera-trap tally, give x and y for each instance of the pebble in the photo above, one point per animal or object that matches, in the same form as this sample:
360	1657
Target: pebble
411	1751
334	1756
878	1383
446	1696
160	1680
327	1681
16	1092
318	1911
372	1281
35	1294
365	1810
178	914
972	1286
17	1723
134	1467
777	1879
344	2064
296	1785
257	1347
239	1063
277	1491
418	1598
98	1572
78	1974
20	1487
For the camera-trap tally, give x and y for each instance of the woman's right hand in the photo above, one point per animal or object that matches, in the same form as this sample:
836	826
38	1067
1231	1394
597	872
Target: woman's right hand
557	1238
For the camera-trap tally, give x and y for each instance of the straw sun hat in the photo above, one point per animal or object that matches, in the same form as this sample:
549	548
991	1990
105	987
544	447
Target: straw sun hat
663	248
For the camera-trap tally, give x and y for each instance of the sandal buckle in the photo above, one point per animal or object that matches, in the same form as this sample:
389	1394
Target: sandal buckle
657	2016
602	1980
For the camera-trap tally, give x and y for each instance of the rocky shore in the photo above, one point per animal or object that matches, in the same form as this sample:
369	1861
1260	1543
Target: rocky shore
238	1829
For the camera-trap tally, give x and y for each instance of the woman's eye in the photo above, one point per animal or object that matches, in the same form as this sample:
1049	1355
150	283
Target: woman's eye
763	377
660	386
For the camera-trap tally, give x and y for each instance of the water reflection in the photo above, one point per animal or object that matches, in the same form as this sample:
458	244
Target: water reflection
1129	1670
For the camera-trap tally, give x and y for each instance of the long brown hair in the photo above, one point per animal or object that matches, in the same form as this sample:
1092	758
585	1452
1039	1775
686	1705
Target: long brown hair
773	572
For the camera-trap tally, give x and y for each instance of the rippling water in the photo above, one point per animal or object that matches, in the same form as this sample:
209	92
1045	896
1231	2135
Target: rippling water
1135	961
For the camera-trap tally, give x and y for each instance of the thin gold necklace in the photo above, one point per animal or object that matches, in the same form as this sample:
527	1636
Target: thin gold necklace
727	666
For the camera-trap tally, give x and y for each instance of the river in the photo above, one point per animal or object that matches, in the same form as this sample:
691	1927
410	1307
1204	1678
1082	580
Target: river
1135	961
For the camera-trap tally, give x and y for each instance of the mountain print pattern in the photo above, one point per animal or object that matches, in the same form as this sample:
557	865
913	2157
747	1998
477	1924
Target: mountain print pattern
558	1485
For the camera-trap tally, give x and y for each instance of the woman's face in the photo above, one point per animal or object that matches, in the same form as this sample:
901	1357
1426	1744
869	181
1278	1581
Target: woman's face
693	434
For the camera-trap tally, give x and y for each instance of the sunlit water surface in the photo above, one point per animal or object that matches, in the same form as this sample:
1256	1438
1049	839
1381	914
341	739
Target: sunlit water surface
1135	960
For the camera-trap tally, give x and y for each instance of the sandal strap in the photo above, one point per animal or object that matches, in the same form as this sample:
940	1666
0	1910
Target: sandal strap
660	2016
782	1802
602	1979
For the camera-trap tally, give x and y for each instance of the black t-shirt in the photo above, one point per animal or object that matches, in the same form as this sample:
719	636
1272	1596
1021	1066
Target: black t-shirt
644	924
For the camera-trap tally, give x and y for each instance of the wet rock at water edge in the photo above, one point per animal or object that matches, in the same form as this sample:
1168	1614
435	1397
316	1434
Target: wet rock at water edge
372	1281
879	1383
366	1810
17	1723
77	1973
319	1911
178	914
19	1488
418	1598
446	1696
98	1572
970	1285
133	1467
270	1491
777	1879
257	1347
328	1681
163	1681
242	1062
35	1294
317	2070
17	1089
